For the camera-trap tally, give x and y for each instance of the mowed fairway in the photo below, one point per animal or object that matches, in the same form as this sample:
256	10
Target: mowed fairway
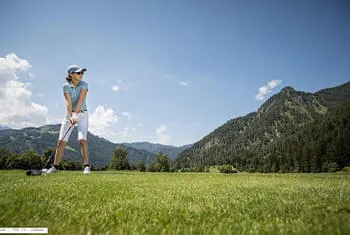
176	203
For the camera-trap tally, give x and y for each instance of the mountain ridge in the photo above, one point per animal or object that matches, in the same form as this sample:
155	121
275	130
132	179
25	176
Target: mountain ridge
41	138
170	150
100	149
242	141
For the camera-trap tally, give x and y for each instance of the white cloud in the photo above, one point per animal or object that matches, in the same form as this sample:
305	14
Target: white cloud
27	85
184	83
140	124
265	90
127	115
115	88
128	134
13	62
122	86
162	137
106	123
101	120
16	107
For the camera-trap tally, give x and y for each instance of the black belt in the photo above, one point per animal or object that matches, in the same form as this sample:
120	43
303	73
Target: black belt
81	111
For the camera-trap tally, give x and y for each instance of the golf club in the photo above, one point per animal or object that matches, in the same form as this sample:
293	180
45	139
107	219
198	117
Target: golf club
38	172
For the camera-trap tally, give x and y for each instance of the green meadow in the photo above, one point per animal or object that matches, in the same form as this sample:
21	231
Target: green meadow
115	202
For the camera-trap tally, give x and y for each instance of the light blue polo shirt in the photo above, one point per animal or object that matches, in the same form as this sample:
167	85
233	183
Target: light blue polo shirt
74	93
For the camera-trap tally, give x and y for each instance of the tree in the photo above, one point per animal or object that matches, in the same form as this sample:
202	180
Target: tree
16	161
119	159
4	156
32	159
154	166
71	165
163	162
159	164
141	166
228	169
113	163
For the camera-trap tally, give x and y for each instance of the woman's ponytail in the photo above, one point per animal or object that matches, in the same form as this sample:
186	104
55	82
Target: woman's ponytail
68	78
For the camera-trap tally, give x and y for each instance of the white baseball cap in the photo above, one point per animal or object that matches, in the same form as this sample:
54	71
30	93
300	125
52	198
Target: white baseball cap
75	69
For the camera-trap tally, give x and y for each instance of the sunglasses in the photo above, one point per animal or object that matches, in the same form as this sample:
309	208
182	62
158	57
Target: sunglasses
80	73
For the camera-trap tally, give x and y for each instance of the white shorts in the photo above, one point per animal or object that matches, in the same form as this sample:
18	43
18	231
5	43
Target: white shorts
83	124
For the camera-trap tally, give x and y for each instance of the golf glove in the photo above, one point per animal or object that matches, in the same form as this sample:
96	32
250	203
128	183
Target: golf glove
75	116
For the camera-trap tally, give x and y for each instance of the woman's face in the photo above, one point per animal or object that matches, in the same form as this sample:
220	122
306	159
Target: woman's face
77	76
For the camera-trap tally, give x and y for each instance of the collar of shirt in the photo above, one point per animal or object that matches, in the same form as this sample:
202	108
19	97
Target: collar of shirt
72	85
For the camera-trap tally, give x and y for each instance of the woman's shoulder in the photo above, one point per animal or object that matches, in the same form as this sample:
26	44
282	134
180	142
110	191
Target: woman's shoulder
83	84
67	84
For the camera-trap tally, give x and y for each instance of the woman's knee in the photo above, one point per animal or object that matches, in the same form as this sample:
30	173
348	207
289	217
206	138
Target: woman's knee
62	143
83	142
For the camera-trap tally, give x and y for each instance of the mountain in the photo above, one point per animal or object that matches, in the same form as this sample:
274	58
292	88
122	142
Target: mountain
332	97
100	149
172	151
136	155
289	132
4	127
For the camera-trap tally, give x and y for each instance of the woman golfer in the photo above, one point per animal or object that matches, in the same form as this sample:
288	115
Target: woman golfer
74	91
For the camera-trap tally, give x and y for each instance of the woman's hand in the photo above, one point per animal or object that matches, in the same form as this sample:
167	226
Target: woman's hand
74	119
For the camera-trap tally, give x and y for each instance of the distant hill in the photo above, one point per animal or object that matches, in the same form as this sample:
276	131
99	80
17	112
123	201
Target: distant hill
137	155
291	131
172	151
3	127
100	149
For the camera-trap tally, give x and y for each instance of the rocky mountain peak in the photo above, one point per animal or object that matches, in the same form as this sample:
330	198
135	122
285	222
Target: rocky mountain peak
288	90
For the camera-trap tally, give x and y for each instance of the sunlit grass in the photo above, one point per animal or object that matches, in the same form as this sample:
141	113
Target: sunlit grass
176	203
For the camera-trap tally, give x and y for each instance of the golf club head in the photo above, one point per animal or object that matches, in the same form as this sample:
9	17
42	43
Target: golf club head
33	172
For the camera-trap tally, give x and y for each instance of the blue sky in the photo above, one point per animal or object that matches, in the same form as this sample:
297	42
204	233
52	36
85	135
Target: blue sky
166	71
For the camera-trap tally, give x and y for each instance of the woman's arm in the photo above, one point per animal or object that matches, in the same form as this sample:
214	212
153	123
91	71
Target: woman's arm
82	96
69	105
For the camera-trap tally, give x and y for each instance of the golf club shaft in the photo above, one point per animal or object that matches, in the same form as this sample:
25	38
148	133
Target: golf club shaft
58	145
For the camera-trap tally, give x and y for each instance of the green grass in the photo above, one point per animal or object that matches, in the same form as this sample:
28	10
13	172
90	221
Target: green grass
346	169
176	203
